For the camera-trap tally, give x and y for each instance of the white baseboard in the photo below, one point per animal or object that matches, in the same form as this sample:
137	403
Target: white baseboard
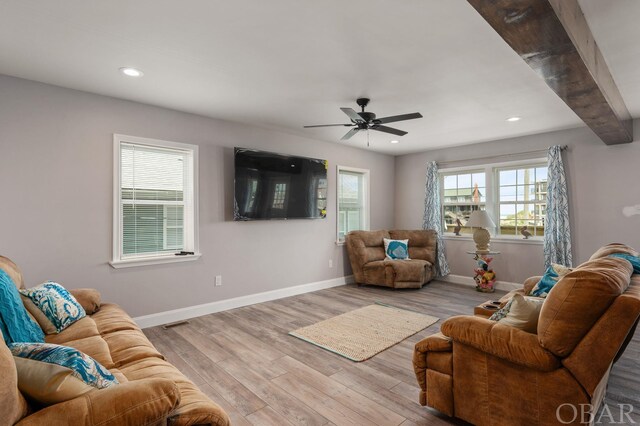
181	314
469	281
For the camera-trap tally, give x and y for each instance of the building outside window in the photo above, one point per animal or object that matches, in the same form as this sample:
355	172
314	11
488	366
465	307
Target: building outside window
514	195
353	201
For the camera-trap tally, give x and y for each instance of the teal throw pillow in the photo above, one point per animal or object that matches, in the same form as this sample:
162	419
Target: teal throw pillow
396	249
634	260
82	365
56	303
551	276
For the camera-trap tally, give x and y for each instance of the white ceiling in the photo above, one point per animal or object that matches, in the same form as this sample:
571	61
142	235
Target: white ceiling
289	63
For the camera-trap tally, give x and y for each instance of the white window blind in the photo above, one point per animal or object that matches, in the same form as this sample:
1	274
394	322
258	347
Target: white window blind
155	197
353	205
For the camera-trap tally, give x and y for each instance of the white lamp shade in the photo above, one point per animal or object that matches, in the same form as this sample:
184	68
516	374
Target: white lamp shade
480	219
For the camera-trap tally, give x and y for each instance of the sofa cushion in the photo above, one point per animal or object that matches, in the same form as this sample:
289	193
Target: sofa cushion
578	300
409	270
143	402
112	318
194	408
88	298
422	243
127	346
48	383
613	248
13	406
85	327
377	272
94	346
12	270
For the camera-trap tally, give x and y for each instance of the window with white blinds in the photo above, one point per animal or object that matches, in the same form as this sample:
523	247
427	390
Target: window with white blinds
353	201
154	200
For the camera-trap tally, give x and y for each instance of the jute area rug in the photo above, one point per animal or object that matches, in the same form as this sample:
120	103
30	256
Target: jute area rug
358	335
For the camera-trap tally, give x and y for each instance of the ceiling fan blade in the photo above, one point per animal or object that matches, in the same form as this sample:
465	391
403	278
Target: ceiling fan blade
391	130
350	133
402	117
328	125
352	115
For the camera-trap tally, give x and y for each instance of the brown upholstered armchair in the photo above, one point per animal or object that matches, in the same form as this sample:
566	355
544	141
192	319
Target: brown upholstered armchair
366	253
488	373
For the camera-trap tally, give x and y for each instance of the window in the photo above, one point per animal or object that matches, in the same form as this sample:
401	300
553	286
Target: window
353	201
462	193
155	206
522	199
514	195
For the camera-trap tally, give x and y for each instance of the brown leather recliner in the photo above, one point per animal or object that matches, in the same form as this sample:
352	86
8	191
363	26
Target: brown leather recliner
488	373
367	256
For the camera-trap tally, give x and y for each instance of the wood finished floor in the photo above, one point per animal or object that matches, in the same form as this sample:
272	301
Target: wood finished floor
246	362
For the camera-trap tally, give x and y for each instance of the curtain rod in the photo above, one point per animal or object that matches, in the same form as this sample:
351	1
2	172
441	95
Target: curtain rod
499	156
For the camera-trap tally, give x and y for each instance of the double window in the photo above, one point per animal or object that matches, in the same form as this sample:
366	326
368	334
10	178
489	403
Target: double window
353	200
514	195
154	201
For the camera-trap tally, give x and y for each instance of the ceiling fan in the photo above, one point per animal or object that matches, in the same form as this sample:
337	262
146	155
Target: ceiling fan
368	121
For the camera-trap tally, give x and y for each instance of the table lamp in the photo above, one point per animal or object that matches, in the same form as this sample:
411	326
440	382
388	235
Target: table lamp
481	220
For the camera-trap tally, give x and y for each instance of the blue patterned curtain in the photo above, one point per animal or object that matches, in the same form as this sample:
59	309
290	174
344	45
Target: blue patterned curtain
433	216
557	233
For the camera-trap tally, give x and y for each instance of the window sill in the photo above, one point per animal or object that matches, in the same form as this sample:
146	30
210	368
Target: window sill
498	239
340	243
145	261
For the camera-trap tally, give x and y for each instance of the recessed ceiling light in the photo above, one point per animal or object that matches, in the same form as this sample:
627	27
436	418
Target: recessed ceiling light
512	119
131	72
395	141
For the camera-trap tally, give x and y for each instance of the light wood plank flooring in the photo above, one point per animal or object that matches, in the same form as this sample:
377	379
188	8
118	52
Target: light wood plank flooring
246	362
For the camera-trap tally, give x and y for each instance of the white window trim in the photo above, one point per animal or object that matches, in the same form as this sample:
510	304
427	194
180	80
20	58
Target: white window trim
491	203
367	199
193	241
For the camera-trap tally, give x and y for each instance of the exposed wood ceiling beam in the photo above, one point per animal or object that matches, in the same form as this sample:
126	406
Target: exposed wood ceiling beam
553	37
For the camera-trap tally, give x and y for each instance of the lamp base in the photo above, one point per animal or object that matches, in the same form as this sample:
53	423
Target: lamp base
481	237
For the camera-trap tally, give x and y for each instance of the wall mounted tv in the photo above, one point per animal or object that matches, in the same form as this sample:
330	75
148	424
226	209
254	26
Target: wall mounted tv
275	186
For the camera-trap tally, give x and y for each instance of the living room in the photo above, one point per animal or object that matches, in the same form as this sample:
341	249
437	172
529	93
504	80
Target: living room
216	77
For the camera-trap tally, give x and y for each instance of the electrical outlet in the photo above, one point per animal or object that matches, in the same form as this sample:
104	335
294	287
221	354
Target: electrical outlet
218	280
330	263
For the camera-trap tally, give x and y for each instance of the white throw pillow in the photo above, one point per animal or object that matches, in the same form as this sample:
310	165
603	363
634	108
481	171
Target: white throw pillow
524	313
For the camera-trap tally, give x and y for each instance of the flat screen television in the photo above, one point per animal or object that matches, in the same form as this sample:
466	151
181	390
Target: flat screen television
275	186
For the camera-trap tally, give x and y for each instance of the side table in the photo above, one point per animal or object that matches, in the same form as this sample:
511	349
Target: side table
485	277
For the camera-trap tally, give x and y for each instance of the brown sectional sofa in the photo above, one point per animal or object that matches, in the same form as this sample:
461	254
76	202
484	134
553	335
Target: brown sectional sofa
367	257
151	390
488	373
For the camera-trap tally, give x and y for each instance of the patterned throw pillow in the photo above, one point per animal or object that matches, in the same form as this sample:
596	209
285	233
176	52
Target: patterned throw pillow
396	249
502	312
82	365
551	276
59	307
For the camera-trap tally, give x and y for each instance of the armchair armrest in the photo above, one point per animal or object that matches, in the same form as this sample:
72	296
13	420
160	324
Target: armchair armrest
508	343
88	298
138	402
435	343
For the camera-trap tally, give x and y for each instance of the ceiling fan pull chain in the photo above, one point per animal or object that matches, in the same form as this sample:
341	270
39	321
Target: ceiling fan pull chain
367	138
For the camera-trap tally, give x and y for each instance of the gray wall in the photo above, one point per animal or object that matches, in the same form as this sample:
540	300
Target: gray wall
601	179
56	212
